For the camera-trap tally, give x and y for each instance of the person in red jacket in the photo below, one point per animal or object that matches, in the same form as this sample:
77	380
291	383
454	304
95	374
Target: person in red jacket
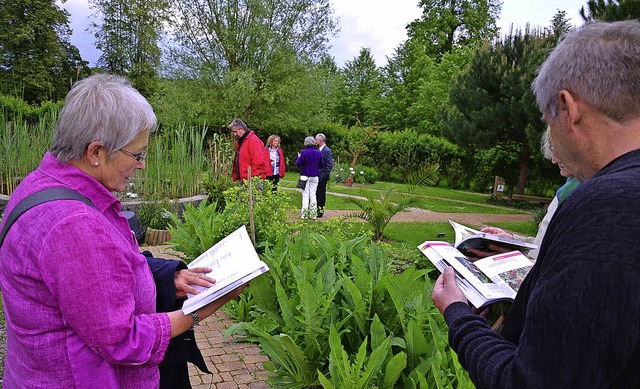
250	151
276	161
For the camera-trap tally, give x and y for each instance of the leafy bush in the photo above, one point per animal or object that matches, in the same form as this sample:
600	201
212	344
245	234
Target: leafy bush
154	214
361	174
203	226
330	313
457	176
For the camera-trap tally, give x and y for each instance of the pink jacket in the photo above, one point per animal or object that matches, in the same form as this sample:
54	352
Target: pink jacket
79	298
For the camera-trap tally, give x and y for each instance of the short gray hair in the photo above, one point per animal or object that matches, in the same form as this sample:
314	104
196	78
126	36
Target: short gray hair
309	141
104	108
239	123
322	137
600	63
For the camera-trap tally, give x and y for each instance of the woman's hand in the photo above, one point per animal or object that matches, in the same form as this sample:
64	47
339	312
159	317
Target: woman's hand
187	277
497	231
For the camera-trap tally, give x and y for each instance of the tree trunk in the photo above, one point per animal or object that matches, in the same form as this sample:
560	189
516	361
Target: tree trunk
524	167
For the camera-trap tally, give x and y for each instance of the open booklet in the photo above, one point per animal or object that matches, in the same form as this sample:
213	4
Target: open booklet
484	281
467	238
234	262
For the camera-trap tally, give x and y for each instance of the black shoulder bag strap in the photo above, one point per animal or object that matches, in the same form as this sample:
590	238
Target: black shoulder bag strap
38	198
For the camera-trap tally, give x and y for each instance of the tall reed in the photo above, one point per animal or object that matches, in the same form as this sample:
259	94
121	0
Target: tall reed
22	146
176	163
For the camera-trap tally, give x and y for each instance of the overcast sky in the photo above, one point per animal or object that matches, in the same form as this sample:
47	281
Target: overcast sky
377	24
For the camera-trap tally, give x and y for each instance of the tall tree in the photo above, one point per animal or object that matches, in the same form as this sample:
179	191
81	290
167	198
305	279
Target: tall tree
448	23
611	10
360	91
127	33
258	59
37	61
416	80
493	103
560	23
230	35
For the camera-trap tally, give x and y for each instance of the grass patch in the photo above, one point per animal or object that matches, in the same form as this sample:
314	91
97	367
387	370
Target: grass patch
521	228
414	233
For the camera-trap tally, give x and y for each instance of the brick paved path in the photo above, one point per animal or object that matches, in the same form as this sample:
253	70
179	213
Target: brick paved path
234	365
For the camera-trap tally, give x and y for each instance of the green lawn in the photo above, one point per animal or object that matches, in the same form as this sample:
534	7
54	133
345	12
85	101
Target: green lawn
441	200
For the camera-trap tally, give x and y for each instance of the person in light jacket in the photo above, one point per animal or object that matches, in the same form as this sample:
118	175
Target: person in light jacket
276	161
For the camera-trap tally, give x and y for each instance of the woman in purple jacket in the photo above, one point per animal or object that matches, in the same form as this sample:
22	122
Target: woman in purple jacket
79	298
309	161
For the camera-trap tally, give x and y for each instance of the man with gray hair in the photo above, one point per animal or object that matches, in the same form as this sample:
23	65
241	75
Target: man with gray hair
325	172
575	322
250	152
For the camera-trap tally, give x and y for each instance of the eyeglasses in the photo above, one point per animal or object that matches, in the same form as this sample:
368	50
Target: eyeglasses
139	157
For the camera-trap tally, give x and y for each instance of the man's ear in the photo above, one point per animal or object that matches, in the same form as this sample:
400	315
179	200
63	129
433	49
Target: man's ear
569	107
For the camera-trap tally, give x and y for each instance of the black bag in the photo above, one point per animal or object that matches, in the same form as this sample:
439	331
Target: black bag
301	184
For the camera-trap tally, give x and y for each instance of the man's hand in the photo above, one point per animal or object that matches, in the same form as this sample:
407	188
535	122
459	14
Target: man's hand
187	277
446	290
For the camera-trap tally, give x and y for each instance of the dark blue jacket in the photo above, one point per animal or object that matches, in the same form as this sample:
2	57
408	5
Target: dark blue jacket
327	156
575	322
310	162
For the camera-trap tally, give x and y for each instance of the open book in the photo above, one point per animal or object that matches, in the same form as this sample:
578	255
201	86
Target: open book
484	281
467	238
234	262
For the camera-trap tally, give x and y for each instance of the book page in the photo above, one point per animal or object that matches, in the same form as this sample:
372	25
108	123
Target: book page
461	232
444	254
508	269
233	261
467	238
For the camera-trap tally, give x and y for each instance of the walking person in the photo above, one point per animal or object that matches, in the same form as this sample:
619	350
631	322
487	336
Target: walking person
249	152
575	322
310	162
325	172
276	161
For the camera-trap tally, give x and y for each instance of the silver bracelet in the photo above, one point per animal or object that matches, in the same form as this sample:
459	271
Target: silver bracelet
196	319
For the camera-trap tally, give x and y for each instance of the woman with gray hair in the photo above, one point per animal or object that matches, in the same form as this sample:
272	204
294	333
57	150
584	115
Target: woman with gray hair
79	299
310	162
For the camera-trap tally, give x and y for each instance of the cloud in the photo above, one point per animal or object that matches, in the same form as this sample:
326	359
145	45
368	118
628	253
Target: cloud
375	24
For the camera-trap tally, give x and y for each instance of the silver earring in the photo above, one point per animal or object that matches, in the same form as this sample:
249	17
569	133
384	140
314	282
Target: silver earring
95	163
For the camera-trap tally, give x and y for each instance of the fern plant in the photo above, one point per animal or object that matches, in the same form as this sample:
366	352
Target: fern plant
379	211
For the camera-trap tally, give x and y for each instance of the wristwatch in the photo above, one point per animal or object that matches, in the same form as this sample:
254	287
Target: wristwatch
196	319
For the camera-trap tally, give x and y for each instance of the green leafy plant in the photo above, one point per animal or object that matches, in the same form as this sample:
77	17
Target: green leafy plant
425	175
199	228
154	214
331	313
379	211
203	226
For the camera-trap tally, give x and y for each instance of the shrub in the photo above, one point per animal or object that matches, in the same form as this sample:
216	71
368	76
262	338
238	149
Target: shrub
154	214
329	312
202	227
361	174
